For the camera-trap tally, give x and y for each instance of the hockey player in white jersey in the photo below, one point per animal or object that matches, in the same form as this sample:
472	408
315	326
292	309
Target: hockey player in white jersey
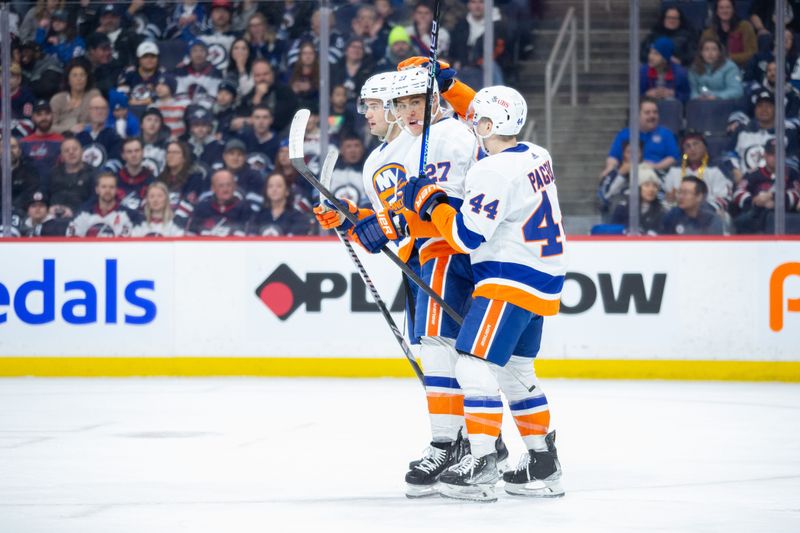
451	152
510	224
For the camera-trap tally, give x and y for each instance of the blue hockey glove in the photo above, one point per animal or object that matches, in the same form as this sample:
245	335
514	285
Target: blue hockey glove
421	195
375	231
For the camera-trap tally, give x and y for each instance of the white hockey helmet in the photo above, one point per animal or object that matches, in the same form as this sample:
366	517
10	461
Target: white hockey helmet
377	87
504	106
412	81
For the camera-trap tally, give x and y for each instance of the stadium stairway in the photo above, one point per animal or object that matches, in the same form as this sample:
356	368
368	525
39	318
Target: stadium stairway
582	134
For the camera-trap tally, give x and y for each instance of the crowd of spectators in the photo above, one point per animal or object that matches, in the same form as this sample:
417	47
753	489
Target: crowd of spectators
145	118
706	119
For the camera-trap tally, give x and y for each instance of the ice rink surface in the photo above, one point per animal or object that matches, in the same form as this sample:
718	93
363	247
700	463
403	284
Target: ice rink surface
273	455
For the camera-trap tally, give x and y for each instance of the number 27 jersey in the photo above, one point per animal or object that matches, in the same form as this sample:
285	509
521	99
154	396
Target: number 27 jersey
510	223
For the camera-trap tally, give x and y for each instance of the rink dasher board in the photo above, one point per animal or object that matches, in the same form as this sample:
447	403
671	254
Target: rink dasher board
631	308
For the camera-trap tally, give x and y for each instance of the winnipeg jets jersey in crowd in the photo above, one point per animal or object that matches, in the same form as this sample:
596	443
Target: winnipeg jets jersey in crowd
510	223
91	222
452	150
384	169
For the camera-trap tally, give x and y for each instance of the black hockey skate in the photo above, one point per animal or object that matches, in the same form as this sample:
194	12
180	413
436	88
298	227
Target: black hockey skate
502	454
471	479
463	445
423	479
538	474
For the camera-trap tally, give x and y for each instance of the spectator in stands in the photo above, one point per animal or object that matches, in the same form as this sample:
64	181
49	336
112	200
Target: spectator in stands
36	205
762	16
106	70
284	167
751	137
124	40
398	50
71	183
692	215
337	41
346	181
158	215
754	198
651	209
792	95
22	98
467	46
713	76
224	108
673	24
134	177
373	33
260	138
139	82
660	147
24	175
37	17
71	106
101	142
186	21
59	37
222	214
756	67
288	17
124	122
220	36
737	35
695	162
198	78
186	182
420	30
355	70
277	216
42	146
660	78
614	185
42	72
342	117
104	217
249	182
171	105
239	67
263	42
304	77
205	146
154	135
266	90
150	18
244	10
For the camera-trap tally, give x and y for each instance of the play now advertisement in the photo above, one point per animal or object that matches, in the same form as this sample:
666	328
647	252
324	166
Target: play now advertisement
663	299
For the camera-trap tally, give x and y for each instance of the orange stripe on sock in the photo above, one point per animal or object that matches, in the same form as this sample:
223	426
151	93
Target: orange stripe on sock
486	333
441	403
533	424
434	310
484	423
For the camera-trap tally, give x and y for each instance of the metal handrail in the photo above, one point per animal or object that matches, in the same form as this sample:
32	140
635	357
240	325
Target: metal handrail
569	57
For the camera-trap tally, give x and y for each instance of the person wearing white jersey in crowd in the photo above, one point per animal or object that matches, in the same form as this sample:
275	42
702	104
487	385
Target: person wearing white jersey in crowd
510	225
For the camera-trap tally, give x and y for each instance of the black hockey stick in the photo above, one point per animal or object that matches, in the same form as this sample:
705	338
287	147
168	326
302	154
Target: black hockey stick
433	65
296	137
325	176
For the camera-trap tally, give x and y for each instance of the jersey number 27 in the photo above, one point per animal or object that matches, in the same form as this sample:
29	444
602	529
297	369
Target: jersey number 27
541	227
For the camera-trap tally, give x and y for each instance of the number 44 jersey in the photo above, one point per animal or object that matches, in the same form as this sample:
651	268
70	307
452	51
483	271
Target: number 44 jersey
510	224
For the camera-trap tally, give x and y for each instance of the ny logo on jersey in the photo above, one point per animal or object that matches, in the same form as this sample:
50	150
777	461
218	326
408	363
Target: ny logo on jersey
386	181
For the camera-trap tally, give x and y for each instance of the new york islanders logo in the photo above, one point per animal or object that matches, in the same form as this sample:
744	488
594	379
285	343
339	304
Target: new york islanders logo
386	181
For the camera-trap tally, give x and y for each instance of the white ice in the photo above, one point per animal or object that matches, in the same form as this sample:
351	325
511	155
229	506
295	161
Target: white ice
263	455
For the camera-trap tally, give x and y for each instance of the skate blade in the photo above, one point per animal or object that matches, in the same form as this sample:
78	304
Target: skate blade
421	491
475	493
536	489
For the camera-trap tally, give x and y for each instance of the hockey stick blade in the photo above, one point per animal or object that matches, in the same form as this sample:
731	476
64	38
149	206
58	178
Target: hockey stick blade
296	134
326	174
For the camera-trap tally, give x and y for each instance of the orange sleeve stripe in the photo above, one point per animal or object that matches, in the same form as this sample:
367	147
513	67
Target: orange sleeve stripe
484	423
518	297
418	227
440	403
364	213
444	218
486	333
459	96
533	424
405	250
435	250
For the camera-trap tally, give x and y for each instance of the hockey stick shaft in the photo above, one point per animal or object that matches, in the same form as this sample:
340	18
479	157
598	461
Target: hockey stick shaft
382	307
433	65
300	165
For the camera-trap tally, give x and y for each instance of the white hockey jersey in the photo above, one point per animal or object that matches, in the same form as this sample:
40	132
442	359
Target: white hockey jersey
118	222
384	169
510	224
157	229
452	150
